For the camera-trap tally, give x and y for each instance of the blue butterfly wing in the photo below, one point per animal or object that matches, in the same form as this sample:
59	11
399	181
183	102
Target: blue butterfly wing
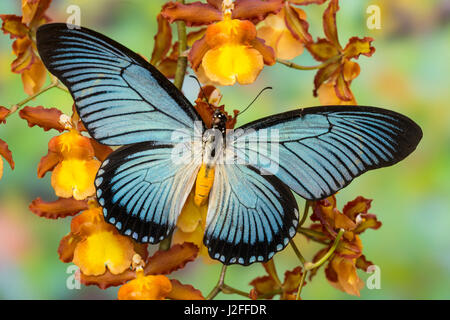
250	217
142	189
120	97
320	150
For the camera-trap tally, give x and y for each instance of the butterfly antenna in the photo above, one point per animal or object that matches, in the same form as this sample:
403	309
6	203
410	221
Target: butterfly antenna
201	89
255	99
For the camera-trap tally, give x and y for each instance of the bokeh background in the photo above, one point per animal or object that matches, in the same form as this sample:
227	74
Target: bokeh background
408	73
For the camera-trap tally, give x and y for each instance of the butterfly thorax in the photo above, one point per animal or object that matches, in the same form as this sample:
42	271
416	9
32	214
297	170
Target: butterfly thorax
212	145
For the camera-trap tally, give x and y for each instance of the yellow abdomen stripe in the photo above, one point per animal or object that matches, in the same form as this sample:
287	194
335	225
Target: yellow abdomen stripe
203	184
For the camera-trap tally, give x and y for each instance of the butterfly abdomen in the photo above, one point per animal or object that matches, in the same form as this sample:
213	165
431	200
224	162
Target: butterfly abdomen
203	184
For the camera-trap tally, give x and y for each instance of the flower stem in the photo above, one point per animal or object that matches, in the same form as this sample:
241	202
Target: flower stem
310	265
297	253
17	106
230	290
312	234
300	286
180	72
215	291
305	213
293	65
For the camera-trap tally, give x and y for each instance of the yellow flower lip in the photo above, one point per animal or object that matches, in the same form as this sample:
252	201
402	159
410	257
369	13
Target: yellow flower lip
74	174
230	52
230	31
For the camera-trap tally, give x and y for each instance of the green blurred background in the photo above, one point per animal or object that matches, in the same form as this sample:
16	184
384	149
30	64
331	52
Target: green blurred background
408	73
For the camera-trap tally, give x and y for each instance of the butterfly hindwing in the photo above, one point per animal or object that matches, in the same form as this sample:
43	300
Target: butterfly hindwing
322	149
142	190
119	96
250	216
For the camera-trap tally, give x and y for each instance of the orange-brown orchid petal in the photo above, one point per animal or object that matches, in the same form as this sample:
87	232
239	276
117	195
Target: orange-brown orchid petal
72	145
350	70
356	46
151	287
209	94
48	163
61	208
265	286
13	26
230	31
215	3
327	96
104	249
296	23
350	246
195	35
46	118
107	279
342	88
329	23
358	206
306	2
325	74
184	292
255	10
347	278
326	212
164	262
33	10
362	263
197	52
3	113
277	36
25	56
322	50
269	266
367	221
267	52
34	78
67	247
288	47
6	153
168	67
101	151
89	222
292	280
163	40
194	14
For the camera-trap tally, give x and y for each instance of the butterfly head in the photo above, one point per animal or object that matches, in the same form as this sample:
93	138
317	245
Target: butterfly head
219	121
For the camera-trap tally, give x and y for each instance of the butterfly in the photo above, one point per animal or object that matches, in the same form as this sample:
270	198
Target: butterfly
124	101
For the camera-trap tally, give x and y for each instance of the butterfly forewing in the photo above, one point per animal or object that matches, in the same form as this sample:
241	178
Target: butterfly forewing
320	150
120	97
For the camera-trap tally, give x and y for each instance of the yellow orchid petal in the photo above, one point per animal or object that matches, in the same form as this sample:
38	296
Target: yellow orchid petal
191	215
104	249
145	288
75	178
233	62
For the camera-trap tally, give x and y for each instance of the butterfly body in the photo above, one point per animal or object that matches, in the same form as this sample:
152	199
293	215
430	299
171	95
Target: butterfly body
246	177
203	184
